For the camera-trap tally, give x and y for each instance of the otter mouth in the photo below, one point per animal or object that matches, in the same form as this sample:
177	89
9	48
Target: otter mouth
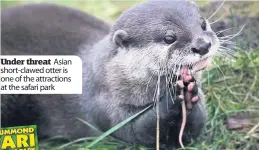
193	67
199	65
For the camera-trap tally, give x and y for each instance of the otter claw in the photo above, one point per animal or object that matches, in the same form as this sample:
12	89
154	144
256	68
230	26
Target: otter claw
190	86
188	89
181	97
180	84
195	99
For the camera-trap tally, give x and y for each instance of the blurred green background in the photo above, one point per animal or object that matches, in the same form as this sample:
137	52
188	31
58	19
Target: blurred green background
231	85
107	10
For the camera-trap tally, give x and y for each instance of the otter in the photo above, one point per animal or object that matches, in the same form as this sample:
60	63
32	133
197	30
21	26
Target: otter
149	45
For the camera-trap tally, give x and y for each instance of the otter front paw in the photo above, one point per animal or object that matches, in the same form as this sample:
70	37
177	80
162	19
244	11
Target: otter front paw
187	89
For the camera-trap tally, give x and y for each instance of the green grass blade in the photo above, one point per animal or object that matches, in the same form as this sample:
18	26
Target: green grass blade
113	129
88	124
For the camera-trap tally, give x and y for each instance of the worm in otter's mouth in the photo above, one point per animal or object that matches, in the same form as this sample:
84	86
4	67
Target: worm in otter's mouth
198	66
194	67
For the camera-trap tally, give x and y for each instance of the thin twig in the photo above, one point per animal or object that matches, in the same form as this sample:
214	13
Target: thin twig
157	128
157	114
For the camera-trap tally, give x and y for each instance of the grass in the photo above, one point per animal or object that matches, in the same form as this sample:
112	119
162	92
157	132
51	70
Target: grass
231	88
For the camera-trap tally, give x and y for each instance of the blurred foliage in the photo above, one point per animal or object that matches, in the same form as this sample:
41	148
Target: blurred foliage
231	88
243	8
107	10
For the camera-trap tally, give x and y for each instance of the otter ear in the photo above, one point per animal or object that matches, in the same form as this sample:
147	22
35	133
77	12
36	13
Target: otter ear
120	37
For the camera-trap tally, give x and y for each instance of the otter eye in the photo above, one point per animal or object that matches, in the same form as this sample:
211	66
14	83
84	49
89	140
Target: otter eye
169	39
203	25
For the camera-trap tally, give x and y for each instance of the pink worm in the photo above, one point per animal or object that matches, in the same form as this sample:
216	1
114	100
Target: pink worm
202	65
183	123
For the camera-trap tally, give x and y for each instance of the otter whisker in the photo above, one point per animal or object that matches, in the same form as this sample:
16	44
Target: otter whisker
227	50
155	92
232	45
178	74
234	35
227	41
149	82
174	70
168	87
216	10
171	73
227	36
168	90
170	81
235	46
174	76
221	31
222	17
220	54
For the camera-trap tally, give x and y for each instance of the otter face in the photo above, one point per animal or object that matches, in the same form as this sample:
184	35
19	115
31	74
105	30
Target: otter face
162	36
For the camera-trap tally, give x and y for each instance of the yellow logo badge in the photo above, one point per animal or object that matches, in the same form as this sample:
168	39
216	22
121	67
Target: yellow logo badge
19	138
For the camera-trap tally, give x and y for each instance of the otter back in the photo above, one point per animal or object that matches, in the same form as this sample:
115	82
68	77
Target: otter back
48	29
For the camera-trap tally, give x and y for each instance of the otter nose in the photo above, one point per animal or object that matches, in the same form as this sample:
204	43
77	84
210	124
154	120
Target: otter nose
202	48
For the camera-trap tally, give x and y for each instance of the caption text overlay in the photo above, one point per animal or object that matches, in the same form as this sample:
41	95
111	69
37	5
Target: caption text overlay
40	75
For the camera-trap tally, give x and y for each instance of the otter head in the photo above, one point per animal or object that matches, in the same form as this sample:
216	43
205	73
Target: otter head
161	36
